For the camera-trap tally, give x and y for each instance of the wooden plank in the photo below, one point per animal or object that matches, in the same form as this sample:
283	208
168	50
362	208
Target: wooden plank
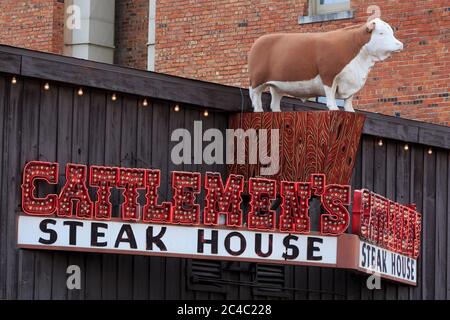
448	227
148	84
300	173
301	282
390	180
402	195
416	191
64	155
29	151
434	136
97	129
11	169
4	95
440	263
128	152
349	151
80	154
429	227
220	123
339	284
379	186
10	63
316	141
160	130
113	128
141	267
390	130
48	128
173	265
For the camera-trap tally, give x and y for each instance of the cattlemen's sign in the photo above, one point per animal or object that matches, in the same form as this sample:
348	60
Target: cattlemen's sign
71	220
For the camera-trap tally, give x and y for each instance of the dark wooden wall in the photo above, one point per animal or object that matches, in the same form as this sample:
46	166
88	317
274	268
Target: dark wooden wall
58	125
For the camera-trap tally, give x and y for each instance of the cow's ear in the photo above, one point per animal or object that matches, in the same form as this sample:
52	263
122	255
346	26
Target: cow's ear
370	26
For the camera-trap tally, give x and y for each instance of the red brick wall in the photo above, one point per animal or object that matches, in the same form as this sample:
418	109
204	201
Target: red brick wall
33	24
210	40
131	33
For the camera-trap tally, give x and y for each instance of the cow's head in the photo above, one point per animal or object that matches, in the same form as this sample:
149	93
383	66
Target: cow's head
382	42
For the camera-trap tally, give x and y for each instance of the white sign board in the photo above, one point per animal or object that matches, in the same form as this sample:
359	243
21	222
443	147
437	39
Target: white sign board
387	263
175	240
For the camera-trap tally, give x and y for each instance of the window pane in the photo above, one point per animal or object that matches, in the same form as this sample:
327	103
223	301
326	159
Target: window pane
322	2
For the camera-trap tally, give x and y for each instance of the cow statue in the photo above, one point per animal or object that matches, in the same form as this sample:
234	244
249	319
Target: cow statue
333	64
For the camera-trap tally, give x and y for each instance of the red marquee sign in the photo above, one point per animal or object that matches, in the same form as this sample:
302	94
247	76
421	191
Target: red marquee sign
376	219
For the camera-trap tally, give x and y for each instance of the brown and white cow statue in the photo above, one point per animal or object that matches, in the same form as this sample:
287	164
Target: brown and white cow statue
334	64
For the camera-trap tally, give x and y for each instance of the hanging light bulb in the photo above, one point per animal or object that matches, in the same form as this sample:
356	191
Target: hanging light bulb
113	97
205	113
80	92
430	151
145	103
380	142
46	86
14	80
406	147
177	108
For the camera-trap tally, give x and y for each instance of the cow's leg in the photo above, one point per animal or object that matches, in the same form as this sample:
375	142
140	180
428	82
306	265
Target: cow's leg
330	93
348	105
256	97
276	99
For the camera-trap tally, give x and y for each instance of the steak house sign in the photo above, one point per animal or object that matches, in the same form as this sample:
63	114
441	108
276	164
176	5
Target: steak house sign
385	239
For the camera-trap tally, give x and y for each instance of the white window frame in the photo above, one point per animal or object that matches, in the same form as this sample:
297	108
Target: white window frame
317	9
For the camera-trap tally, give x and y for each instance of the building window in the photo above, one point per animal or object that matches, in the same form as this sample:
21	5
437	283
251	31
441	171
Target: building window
328	6
327	10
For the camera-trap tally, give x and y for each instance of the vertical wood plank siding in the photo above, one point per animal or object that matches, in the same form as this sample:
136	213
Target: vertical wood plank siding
59	125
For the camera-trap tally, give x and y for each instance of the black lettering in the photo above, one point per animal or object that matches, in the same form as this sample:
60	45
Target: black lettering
363	253
73	231
408	268
392	263
53	236
242	246
151	239
287	244
95	234
372	257
258	248
201	241
312	248
126	229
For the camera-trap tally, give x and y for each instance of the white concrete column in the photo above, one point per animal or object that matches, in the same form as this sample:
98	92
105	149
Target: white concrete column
151	44
94	37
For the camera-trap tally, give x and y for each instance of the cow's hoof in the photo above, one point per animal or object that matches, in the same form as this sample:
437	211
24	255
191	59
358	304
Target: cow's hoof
258	110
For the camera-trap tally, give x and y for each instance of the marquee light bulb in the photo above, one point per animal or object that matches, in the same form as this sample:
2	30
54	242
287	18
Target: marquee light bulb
14	80
80	92
380	142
